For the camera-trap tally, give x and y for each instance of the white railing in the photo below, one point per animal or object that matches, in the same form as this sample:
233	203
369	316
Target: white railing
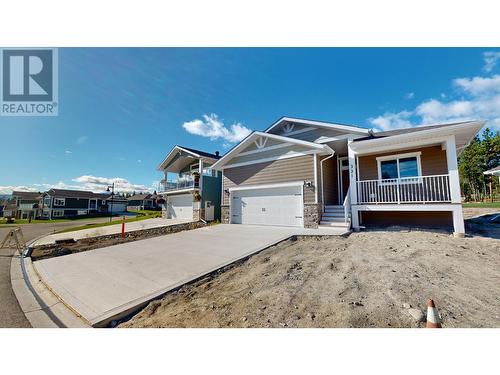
347	209
423	189
177	185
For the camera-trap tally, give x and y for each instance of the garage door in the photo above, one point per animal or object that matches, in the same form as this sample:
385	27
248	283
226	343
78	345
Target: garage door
270	206
180	206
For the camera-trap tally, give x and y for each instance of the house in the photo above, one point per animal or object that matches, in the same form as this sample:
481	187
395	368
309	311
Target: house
59	203
307	173
494	172
191	188
27	203
142	202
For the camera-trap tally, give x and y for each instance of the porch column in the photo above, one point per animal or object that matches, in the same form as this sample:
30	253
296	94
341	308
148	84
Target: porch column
353	186
458	221
451	159
200	170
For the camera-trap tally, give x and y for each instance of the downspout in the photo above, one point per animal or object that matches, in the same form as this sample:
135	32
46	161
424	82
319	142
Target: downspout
322	187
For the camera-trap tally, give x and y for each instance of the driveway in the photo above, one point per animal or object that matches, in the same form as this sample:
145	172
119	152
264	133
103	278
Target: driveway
105	283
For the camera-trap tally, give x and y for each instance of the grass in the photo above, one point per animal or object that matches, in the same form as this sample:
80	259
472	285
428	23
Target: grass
3	221
481	205
141	215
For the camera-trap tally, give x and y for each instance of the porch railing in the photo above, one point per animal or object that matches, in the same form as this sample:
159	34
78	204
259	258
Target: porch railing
177	185
422	189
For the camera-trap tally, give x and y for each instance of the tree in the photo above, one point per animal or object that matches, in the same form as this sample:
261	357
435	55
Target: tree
481	154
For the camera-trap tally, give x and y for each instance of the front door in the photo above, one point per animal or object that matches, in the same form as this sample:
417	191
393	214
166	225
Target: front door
344	178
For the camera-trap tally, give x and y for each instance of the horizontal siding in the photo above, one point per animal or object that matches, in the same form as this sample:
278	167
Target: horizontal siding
433	161
312	135
287	170
330	183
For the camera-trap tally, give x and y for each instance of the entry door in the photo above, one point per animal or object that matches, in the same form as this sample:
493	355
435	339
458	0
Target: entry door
268	206
344	178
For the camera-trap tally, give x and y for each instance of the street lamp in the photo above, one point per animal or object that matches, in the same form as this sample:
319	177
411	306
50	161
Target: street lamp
112	187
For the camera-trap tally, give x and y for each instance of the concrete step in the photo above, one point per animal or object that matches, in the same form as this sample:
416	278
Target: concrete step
332	224
333	214
334	206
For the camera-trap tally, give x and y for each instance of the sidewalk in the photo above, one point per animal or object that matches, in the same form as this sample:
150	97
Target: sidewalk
106	230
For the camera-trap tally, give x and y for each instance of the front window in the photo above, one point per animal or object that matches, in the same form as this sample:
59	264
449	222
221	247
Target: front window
399	166
57	213
59	201
389	169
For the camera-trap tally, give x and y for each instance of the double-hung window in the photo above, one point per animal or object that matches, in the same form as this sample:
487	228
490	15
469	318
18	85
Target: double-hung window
59	201
399	167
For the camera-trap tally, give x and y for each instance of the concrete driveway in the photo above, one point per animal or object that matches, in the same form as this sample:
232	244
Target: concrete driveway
106	283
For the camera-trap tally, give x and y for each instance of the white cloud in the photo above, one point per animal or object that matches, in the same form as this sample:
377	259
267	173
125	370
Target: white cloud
81	140
86	182
410	95
94	183
139	161
9	188
212	127
490	60
479	99
67	152
479	85
390	120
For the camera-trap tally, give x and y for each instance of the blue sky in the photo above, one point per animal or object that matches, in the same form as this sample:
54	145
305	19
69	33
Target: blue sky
122	110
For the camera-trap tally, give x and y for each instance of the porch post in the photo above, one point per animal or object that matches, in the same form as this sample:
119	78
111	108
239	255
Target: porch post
200	170
451	159
353	186
352	174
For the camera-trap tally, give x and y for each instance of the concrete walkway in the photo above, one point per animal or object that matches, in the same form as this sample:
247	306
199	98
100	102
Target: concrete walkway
104	284
110	229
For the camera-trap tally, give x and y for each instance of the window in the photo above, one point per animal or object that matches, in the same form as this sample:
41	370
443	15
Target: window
399	166
59	201
57	213
93	204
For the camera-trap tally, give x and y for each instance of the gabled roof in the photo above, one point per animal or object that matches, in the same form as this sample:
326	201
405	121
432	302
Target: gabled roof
76	194
254	135
31	195
191	151
139	197
322	124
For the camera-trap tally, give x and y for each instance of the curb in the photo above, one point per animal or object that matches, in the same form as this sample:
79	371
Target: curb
40	306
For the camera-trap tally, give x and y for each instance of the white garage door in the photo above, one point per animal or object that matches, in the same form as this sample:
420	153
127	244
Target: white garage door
269	206
180	206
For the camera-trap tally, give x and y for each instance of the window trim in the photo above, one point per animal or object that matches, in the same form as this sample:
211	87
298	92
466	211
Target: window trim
63	200
59	211
397	157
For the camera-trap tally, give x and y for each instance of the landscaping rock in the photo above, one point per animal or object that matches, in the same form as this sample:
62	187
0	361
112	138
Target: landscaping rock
406	305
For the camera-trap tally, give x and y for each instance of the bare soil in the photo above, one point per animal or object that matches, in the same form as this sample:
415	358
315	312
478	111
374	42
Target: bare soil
369	279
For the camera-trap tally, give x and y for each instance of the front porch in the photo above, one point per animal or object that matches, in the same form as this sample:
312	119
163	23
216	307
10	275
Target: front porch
405	182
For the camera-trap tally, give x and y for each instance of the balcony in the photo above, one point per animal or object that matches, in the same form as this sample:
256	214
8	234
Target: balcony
188	183
422	189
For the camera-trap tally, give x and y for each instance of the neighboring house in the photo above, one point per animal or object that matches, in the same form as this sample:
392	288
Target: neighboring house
494	172
308	173
58	203
27	203
142	202
116	204
191	188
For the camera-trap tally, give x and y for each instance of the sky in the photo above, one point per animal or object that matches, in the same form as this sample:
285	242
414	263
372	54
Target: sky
122	110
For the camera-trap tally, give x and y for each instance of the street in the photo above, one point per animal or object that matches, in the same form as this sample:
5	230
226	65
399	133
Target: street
11	315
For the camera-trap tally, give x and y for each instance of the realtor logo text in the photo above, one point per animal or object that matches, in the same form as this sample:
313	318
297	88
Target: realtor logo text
29	85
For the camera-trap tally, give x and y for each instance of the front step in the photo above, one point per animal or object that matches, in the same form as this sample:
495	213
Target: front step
336	224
